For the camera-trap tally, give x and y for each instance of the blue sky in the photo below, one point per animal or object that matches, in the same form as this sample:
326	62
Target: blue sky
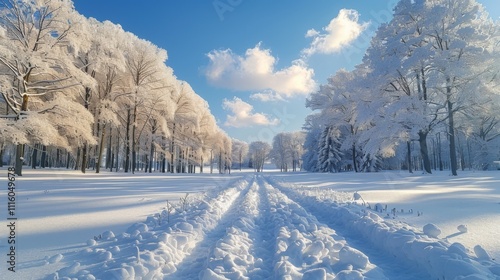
254	61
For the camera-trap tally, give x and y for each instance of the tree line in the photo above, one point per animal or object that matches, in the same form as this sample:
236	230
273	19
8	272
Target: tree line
80	93
425	96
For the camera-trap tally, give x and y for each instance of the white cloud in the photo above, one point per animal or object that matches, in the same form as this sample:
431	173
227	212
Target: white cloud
267	95
243	115
339	33
312	33
255	71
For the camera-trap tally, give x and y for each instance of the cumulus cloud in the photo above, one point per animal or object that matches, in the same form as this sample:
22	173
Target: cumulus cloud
255	71
242	114
267	95
339	33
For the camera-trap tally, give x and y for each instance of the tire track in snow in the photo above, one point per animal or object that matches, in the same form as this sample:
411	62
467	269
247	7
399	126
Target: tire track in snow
193	266
265	242
394	268
308	249
243	253
150	250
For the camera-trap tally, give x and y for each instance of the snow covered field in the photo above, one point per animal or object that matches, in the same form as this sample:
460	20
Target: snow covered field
247	226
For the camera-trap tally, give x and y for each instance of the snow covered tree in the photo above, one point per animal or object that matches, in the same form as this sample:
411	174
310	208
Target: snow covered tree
287	149
280	153
459	33
259	152
297	139
145	62
311	143
433	60
239	152
38	40
205	136
104	61
345	107
329	154
184	119
428	60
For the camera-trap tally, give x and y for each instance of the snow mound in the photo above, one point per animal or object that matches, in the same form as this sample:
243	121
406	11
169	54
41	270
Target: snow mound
432	230
354	257
462	228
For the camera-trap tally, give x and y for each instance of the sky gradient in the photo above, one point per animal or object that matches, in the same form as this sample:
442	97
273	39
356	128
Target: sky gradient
254	61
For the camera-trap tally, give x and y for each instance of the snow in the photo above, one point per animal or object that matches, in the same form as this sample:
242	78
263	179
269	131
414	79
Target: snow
256	226
432	230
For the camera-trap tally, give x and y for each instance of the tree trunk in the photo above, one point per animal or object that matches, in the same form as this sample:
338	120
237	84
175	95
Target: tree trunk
127	143
84	150
101	149
424	151
34	157
117	154
68	157
77	161
451	127
440	158
58	158
134	144
43	160
84	158
354	158
434	155
211	161
220	162
172	150
152	148
462	154
201	163
19	159
408	145
20	147
109	161
151	154
469	153
1	155
163	163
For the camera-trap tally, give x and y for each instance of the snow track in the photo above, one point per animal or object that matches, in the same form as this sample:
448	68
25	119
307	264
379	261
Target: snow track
212	250
260	229
307	249
239	254
401	250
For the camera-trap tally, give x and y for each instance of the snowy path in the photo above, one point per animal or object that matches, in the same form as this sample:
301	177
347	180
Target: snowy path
401	250
241	252
192	265
394	268
308	249
258	228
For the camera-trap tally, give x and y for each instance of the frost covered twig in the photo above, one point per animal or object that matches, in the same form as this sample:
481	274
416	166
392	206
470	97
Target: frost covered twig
184	202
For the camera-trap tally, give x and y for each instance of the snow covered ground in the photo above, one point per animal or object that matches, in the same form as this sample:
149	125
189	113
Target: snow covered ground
248	226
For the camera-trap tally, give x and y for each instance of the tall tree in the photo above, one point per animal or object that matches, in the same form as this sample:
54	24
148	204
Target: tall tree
38	42
259	152
144	64
239	152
